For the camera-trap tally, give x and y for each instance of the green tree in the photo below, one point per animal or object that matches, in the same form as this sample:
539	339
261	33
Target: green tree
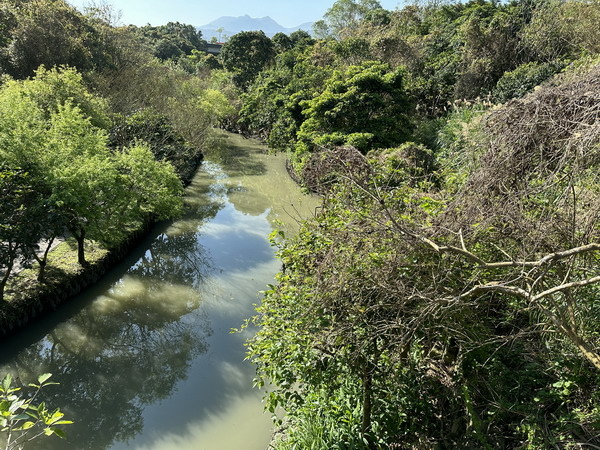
167	49
156	131
51	33
24	190
104	196
187	37
301	38
149	188
272	106
559	30
171	40
344	16
83	177
52	88
364	106
246	54
282	42
516	83
220	31
95	193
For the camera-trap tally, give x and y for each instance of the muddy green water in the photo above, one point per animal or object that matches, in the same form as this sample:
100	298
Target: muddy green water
146	359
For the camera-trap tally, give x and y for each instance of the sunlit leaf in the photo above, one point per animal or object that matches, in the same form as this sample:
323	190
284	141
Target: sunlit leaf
44	377
26	426
6	382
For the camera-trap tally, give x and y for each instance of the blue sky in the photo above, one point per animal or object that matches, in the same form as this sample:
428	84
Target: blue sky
288	13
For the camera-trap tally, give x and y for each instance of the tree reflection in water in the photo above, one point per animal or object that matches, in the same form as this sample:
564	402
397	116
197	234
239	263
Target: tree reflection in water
177	259
122	354
128	349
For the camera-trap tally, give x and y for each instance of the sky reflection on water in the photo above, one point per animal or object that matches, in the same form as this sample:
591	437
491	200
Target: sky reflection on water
146	358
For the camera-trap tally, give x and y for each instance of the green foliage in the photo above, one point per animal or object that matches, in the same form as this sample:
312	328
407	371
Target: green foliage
490	46
518	82
199	62
167	90
88	189
272	106
364	106
246	54
447	303
352	50
50	33
151	187
105	196
155	130
301	39
171	40
51	89
282	43
401	318
562	30
344	15
457	143
22	419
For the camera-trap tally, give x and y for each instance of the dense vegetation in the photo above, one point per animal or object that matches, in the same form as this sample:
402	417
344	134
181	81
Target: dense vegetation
446	295
99	127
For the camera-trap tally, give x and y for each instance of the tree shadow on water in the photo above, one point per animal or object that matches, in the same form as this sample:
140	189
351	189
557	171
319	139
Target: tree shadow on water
237	156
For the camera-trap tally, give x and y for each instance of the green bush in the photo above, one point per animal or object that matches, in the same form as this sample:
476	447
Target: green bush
517	83
165	143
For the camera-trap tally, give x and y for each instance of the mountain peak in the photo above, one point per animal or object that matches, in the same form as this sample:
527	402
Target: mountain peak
230	25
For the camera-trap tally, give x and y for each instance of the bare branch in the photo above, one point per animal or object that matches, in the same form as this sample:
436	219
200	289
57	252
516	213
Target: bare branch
566	286
495	287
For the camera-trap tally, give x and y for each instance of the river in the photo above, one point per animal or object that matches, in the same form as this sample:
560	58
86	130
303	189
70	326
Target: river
146	358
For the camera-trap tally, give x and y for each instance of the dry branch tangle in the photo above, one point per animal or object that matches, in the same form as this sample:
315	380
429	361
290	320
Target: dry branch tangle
563	322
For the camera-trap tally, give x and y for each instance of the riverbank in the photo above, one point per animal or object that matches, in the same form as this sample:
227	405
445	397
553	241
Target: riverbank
153	335
26	299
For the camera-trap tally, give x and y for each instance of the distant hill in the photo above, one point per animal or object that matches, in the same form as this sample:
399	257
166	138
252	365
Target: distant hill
232	25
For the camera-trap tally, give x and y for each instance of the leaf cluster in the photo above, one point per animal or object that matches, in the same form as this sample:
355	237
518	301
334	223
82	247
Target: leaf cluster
74	181
22	419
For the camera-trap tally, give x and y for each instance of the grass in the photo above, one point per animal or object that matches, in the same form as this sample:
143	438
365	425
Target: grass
61	268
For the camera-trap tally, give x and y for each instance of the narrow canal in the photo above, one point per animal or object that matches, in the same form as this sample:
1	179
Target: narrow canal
146	358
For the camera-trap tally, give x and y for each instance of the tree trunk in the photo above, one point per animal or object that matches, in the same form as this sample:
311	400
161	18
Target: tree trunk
80	247
584	347
42	271
5	279
567	329
43	260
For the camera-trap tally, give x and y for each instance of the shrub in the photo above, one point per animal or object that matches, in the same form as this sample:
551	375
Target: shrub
517	83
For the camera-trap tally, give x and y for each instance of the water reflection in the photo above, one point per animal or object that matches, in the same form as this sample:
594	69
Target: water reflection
146	359
176	259
128	349
238	156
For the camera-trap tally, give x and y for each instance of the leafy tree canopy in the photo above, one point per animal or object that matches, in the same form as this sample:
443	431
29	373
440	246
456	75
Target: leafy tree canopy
345	15
246	54
171	40
48	32
364	106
